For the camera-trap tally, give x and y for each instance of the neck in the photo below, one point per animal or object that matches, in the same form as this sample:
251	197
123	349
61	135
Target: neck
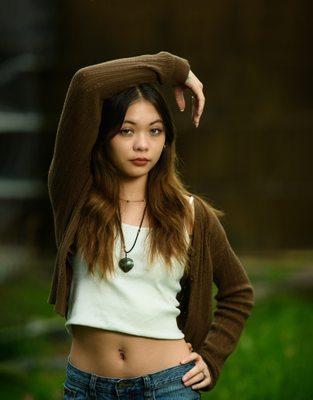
133	190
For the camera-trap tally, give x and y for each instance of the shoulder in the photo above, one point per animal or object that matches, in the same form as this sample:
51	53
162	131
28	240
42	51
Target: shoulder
206	214
203	213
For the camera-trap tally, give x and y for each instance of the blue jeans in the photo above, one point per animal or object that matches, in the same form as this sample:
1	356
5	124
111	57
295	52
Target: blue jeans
166	384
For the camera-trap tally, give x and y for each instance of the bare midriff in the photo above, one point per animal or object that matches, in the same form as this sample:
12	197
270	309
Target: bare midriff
115	354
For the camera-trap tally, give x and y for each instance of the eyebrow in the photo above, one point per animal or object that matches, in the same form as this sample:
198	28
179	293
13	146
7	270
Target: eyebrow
134	123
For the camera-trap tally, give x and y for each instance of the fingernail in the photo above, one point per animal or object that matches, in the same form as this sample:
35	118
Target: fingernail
181	109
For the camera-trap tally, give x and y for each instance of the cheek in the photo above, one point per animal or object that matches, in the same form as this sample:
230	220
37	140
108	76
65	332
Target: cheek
118	151
158	146
157	155
161	148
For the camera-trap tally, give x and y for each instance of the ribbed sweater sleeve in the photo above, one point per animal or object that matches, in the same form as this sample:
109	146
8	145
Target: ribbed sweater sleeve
235	300
81	116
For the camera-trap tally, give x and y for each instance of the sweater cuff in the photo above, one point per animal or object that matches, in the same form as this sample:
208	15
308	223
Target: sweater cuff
181	70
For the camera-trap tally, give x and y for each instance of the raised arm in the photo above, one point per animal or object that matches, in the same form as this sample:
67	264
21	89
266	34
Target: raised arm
235	300
81	115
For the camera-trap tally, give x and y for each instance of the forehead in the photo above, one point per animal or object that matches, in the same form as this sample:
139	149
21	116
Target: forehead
142	112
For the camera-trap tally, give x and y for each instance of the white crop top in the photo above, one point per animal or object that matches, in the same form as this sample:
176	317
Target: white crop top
140	302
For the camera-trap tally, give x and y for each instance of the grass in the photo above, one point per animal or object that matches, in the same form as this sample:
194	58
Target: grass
273	358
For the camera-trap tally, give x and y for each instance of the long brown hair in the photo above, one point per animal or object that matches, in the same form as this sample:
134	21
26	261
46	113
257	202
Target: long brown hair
167	207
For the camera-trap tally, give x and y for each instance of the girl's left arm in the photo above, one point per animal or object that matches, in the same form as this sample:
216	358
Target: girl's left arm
235	300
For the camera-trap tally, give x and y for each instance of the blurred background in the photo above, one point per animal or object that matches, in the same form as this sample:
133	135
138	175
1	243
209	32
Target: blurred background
251	157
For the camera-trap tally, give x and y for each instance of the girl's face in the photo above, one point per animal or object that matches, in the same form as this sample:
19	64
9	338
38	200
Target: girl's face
142	135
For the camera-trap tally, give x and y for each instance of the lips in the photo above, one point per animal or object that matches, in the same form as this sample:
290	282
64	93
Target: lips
139	161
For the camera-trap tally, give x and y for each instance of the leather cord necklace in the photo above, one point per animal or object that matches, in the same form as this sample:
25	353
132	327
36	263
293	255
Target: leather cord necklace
126	263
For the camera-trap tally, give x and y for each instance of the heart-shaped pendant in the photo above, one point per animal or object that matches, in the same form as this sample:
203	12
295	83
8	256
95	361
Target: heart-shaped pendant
126	264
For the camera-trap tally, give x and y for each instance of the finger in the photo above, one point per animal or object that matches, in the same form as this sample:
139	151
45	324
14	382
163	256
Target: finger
179	96
197	378
203	383
200	105
198	101
193	375
198	109
190	357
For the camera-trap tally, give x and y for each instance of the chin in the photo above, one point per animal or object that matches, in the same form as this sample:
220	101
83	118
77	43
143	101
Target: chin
132	174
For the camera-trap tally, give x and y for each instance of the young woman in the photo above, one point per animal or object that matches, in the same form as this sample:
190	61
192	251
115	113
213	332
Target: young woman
127	232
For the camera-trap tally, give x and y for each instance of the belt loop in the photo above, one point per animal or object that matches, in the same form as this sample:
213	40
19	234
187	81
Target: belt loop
148	391
92	386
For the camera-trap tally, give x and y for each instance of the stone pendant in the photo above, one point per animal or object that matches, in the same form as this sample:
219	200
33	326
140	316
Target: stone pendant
126	264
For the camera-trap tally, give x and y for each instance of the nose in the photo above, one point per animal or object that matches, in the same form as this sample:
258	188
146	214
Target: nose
141	143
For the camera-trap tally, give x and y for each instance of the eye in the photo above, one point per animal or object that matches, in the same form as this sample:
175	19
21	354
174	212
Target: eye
123	130
160	130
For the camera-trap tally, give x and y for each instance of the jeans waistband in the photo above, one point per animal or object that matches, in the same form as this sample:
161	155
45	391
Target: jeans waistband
83	379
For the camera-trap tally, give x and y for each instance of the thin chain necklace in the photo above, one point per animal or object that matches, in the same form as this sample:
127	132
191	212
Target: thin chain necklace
133	200
126	264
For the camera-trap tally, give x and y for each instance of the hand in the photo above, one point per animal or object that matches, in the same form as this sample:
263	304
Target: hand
196	86
195	374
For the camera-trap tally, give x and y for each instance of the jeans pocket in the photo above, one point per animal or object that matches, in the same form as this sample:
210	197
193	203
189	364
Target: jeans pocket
187	392
176	390
68	393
